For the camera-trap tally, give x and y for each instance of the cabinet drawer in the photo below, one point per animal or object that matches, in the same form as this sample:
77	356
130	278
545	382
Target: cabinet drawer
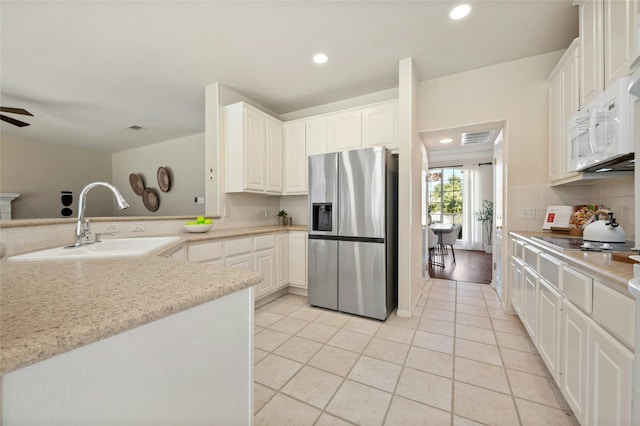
578	288
519	249
615	312
550	269
204	251
531	256
263	242
237	246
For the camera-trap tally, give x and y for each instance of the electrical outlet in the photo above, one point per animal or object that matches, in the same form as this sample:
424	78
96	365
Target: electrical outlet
528	214
199	200
113	228
137	227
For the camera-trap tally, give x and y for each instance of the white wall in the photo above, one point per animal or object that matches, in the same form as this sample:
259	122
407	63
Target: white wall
182	156
40	171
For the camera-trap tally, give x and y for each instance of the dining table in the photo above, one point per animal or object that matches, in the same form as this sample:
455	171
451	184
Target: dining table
439	229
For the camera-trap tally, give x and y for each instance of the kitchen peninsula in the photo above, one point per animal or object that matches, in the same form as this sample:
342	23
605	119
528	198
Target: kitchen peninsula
132	340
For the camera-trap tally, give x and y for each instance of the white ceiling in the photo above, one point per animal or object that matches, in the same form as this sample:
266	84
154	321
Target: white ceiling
87	70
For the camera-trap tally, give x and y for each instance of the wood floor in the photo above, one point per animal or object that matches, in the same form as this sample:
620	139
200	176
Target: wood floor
471	266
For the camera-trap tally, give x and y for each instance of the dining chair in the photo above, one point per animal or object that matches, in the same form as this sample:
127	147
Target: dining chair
433	250
450	238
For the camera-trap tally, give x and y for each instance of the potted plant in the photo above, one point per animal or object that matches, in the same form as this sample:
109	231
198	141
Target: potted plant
282	215
485	216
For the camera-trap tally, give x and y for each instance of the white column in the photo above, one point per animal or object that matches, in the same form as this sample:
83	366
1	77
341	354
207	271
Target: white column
5	204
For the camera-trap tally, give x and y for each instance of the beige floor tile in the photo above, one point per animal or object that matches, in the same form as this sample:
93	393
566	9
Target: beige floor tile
395	320
387	351
443	290
439	304
395	333
473	320
278	307
476	294
430	361
404	412
417	311
478	351
350	340
426	388
473	301
359	404
443	283
329	420
436	342
298	349
306	313
480	335
473	310
293	299
436	326
536	388
498	313
334	360
523	361
282	410
289	325
481	374
333	319
261	395
514	341
257	329
461	421
377	373
313	386
274	371
468	285
509	326
258	355
362	325
445	297
269	339
533	414
484	405
493	304
265	319
318	332
440	315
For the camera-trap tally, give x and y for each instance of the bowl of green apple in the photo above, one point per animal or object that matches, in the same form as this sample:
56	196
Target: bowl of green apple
199	225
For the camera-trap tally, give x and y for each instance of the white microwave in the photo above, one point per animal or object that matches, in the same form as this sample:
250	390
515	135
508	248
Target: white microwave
602	131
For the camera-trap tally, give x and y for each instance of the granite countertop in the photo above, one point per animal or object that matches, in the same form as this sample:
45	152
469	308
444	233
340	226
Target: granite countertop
598	264
51	307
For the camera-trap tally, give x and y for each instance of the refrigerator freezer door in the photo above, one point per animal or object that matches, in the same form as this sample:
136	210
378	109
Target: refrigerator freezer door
323	273
364	289
361	203
323	193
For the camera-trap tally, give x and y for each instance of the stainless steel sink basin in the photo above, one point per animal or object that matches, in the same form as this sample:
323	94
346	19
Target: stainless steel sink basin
115	247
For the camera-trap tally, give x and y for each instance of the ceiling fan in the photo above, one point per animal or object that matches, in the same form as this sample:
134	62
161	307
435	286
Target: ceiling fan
13	120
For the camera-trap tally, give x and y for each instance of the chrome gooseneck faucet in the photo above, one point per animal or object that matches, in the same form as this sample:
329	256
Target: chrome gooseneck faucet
82	227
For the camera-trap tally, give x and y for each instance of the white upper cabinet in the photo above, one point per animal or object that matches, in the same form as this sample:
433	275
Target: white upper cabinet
295	158
591	50
317	135
274	182
618	30
380	126
345	131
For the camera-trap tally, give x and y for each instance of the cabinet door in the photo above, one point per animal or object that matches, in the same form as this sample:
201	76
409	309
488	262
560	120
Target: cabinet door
570	104
345	131
549	308
573	375
254	153
298	259
591	50
530	284
380	126
556	145
317	136
295	159
610	369
517	289
241	261
274	157
618	38
265	264
282	260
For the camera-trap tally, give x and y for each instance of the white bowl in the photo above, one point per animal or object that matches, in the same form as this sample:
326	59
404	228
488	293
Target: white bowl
203	227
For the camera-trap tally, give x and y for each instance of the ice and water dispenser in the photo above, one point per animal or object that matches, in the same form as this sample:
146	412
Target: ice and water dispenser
322	216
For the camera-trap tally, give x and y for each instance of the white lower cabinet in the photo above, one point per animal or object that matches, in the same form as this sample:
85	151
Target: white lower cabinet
549	309
517	289
298	259
530	309
241	261
282	260
265	264
610	373
573	376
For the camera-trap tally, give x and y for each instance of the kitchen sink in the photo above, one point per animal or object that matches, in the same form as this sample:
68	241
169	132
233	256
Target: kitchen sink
107	248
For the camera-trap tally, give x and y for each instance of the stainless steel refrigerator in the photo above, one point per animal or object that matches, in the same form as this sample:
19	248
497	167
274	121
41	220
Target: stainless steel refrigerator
353	209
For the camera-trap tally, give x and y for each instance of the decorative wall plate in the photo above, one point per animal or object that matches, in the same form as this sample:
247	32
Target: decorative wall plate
151	199
136	182
164	179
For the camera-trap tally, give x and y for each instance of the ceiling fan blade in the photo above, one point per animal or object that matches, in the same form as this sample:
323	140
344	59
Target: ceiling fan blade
16	111
13	121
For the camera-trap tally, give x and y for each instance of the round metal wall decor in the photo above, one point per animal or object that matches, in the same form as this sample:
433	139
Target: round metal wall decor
151	199
137	184
164	179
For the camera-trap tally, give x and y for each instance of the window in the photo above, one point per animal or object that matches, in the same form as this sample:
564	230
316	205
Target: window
445	195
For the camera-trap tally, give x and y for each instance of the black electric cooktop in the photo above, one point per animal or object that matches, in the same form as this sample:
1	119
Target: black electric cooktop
568	243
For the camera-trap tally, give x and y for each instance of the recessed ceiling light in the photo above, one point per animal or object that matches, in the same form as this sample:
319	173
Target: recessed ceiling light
320	58
460	12
445	140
